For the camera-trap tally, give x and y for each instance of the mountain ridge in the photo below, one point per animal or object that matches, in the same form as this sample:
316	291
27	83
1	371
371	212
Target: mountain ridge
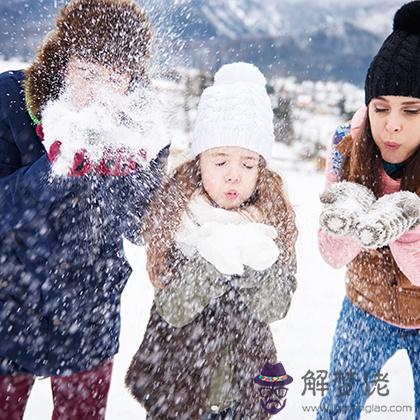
338	39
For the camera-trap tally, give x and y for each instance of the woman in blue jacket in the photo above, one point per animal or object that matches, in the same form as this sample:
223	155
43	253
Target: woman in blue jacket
62	266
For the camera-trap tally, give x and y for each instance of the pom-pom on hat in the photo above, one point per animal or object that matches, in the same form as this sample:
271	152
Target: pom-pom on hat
395	70
235	111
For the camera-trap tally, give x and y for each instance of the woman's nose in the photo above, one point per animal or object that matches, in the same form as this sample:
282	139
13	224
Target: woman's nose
393	125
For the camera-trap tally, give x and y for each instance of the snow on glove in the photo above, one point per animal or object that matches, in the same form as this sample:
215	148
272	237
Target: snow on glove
130	125
217	243
80	164
113	163
389	217
344	203
118	162
78	167
257	246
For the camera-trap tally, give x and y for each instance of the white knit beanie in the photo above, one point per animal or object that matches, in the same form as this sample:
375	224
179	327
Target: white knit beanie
235	111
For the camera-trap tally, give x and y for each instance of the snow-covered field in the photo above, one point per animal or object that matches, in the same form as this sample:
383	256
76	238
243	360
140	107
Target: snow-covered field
303	338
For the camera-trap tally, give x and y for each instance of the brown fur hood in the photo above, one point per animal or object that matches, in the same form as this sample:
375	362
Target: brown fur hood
115	33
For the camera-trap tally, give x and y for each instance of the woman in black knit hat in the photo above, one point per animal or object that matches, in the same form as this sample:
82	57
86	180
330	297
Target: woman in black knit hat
370	222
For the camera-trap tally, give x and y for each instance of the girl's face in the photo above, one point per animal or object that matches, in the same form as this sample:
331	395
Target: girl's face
85	80
395	125
229	175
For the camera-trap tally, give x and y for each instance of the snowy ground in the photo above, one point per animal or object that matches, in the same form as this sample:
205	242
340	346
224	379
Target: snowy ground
303	338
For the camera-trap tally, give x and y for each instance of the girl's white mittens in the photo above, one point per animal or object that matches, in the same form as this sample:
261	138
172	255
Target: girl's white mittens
257	246
214	242
231	246
388	218
344	204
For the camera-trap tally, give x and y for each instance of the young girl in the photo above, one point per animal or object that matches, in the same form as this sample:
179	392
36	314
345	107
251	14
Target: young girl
220	239
370	222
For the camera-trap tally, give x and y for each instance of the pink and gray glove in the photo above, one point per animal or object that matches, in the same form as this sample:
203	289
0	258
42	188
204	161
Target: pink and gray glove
344	205
389	217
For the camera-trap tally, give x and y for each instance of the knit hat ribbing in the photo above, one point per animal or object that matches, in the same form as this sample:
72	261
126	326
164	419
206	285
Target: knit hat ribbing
395	70
235	111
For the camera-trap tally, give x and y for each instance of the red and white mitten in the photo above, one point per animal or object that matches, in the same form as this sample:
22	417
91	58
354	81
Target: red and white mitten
78	166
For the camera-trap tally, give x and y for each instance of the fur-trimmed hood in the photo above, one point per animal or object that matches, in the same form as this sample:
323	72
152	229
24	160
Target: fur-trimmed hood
115	33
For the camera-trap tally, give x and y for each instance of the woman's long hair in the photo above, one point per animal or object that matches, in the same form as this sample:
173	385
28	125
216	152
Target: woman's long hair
164	215
362	162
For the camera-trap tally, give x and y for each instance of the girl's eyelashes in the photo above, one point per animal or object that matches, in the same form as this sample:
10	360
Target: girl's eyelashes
249	166
245	164
250	163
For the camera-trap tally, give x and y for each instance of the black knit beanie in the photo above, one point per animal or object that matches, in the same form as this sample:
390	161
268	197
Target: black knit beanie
395	70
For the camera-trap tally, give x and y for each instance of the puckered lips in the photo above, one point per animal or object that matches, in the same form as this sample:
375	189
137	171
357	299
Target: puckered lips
392	145
232	195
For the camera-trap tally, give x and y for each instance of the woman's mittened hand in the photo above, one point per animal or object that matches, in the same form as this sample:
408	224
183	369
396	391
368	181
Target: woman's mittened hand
344	203
80	165
117	162
114	162
389	217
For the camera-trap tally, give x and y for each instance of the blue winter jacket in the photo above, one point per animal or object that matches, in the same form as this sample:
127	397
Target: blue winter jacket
62	265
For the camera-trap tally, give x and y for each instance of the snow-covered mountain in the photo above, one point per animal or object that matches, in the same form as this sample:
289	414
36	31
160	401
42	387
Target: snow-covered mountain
239	18
318	40
331	39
